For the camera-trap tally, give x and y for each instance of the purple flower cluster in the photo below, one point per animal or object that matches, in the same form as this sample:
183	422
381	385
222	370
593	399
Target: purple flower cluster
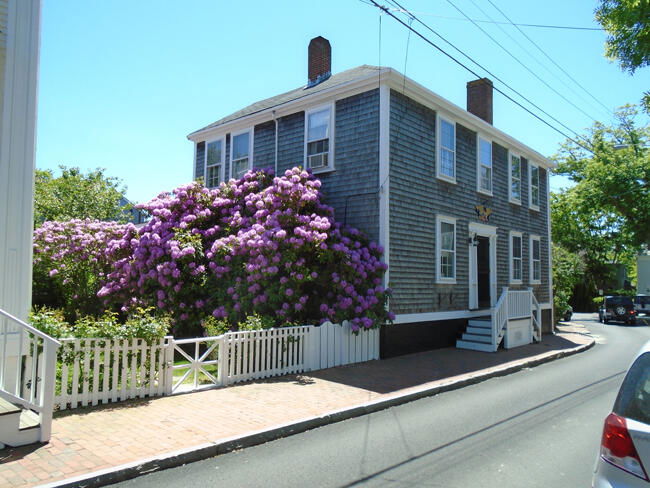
259	245
73	256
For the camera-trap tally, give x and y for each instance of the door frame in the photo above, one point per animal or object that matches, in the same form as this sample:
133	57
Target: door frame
489	231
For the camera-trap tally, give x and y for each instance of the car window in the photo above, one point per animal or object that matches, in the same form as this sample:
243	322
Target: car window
633	399
619	301
642	300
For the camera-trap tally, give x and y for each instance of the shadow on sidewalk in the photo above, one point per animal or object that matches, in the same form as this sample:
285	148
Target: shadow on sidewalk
393	374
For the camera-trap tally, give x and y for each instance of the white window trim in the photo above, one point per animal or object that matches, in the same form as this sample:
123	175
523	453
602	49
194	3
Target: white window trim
530	185
332	108
449	220
511	258
478	165
511	199
439	174
251	133
530	250
223	159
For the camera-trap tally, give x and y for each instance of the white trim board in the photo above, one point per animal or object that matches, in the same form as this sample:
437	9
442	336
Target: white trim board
412	318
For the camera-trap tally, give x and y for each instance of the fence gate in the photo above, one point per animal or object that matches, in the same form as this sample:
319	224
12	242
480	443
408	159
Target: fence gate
196	359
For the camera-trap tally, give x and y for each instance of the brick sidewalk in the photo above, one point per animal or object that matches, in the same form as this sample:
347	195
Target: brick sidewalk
92	439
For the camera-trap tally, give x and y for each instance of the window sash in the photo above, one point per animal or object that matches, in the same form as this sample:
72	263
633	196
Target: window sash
318	125
240	154
516	257
515	178
318	139
213	163
534	186
536	257
485	165
447	151
447	250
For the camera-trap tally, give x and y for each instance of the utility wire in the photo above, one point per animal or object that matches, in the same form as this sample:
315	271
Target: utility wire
483	21
522	64
609	111
533	57
434	45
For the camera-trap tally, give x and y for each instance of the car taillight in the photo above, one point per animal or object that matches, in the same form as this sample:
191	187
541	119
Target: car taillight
632	312
618	449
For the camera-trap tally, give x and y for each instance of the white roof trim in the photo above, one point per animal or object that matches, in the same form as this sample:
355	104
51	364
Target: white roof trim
393	79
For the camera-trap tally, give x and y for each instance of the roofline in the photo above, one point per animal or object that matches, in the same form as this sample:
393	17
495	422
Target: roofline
384	76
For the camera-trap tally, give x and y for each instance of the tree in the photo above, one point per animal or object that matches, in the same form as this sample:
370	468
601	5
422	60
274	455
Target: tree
628	24
611	197
75	195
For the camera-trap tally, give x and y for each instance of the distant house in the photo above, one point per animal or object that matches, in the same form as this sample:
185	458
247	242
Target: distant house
460	207
643	274
134	215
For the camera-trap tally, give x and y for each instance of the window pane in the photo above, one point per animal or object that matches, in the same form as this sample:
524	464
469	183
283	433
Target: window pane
239	167
536	253
516	269
447	135
318	147
486	178
516	167
486	152
516	246
318	125
214	153
447	162
516	189
240	146
213	177
447	236
537	271
447	264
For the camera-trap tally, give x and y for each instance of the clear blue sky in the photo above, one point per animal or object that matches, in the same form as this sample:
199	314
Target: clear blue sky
123	82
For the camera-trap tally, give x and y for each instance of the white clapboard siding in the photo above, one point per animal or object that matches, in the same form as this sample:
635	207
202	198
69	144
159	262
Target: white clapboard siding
95	371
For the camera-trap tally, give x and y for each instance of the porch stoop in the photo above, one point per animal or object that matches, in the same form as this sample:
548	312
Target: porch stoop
18	426
478	335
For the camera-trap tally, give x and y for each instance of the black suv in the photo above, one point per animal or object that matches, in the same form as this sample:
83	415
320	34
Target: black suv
618	308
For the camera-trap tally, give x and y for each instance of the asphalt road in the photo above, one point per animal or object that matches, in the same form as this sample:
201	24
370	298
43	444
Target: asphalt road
536	428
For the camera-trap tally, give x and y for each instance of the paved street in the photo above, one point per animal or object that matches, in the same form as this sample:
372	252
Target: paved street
539	427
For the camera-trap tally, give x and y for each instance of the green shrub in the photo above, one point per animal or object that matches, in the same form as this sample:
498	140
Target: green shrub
215	327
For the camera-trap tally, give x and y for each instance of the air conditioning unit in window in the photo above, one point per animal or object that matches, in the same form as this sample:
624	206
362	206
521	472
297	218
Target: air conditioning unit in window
318	161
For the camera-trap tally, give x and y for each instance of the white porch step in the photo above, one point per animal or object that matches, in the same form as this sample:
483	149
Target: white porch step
479	330
486	339
480	323
18	426
476	346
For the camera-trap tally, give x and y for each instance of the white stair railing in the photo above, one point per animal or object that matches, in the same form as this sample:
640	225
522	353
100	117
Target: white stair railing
28	368
499	318
535	313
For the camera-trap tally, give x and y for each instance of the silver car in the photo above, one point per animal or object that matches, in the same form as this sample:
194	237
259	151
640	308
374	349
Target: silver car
625	444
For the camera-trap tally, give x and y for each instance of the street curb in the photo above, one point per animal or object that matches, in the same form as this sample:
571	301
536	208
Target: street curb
204	451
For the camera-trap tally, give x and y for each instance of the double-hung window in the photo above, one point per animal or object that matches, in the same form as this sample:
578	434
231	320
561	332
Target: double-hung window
535	260
446	150
484	166
240	154
214	159
516	255
515	178
446	249
318	129
534	186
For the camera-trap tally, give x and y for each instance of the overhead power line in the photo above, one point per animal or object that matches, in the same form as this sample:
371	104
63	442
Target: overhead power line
609	111
483	21
521	63
460	63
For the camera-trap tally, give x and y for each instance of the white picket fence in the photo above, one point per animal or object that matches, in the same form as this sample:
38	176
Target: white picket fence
93	371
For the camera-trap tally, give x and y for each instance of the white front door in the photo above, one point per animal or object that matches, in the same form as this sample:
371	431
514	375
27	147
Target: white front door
489	286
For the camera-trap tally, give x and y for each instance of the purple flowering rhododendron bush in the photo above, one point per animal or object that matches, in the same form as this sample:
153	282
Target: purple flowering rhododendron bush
260	245
71	264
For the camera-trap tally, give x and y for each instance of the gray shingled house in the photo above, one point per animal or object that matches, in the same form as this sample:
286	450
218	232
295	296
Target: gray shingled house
461	208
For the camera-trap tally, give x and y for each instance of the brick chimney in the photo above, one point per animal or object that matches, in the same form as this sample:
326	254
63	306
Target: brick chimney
479	98
320	61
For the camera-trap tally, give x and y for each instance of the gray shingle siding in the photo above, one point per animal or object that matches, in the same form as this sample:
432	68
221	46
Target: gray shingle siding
352	189
291	141
417	197
264	145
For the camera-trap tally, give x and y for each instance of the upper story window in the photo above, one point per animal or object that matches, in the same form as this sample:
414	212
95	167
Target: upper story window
534	186
535	260
446	249
484	166
516	255
515	178
446	150
214	159
318	135
240	154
